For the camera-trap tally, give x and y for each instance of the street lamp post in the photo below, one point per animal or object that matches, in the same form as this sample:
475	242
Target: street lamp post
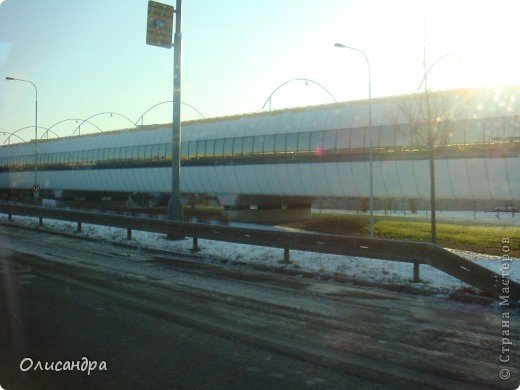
35	186
370	151
175	211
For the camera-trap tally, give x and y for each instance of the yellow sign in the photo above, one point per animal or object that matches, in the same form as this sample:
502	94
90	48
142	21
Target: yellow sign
160	24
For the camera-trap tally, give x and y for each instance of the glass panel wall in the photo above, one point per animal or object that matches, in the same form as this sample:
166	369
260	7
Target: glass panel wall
291	143
201	148
304	142
258	144
317	142
248	146
357	140
269	141
279	143
237	146
228	147
210	148
329	141
343	140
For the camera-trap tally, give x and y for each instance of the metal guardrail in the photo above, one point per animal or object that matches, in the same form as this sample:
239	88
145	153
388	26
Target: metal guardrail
394	250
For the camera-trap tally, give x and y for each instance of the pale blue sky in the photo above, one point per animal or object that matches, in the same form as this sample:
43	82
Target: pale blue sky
90	56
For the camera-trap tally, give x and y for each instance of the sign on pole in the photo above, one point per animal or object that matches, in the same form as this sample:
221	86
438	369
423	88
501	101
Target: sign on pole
159	25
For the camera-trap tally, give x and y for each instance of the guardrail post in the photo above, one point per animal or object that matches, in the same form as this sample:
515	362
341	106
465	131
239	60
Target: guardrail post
128	234
286	256
416	278
40	222
195	247
433	255
9	217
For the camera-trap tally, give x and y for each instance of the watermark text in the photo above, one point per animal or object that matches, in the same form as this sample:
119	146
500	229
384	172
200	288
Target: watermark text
84	365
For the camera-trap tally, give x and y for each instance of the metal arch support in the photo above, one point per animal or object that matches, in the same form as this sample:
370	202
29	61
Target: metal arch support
167	101
102	113
299	79
193	108
47	132
11	134
69	119
432	65
23	128
149	109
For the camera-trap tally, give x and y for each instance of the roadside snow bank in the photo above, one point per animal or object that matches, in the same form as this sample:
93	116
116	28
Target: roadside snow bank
362	269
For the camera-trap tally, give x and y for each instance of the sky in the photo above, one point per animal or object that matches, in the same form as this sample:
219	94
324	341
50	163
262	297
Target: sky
88	57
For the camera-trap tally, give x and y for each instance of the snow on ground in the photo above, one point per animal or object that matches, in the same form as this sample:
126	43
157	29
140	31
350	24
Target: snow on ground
362	269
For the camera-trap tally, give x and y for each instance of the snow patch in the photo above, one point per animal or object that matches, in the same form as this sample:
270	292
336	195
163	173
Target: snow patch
362	269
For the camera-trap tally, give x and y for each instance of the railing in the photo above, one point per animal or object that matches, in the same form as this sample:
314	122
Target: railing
126	156
394	250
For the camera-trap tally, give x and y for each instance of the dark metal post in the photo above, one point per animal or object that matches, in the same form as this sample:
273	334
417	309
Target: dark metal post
128	234
79	227
195	247
286	256
416	278
36	189
175	211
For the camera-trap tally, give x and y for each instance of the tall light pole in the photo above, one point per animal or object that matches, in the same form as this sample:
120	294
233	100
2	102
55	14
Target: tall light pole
370	151
35	186
175	211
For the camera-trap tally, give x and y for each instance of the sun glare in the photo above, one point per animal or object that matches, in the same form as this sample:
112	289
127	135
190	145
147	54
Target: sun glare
481	37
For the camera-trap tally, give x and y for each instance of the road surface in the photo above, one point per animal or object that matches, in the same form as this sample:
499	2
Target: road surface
160	320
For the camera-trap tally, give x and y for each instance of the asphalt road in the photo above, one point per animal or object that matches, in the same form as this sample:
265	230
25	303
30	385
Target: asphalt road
164	321
50	320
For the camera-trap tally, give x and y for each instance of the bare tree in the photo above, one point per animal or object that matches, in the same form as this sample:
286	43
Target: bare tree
431	120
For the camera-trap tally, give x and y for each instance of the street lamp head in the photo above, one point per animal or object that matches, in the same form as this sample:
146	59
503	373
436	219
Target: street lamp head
9	78
340	45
